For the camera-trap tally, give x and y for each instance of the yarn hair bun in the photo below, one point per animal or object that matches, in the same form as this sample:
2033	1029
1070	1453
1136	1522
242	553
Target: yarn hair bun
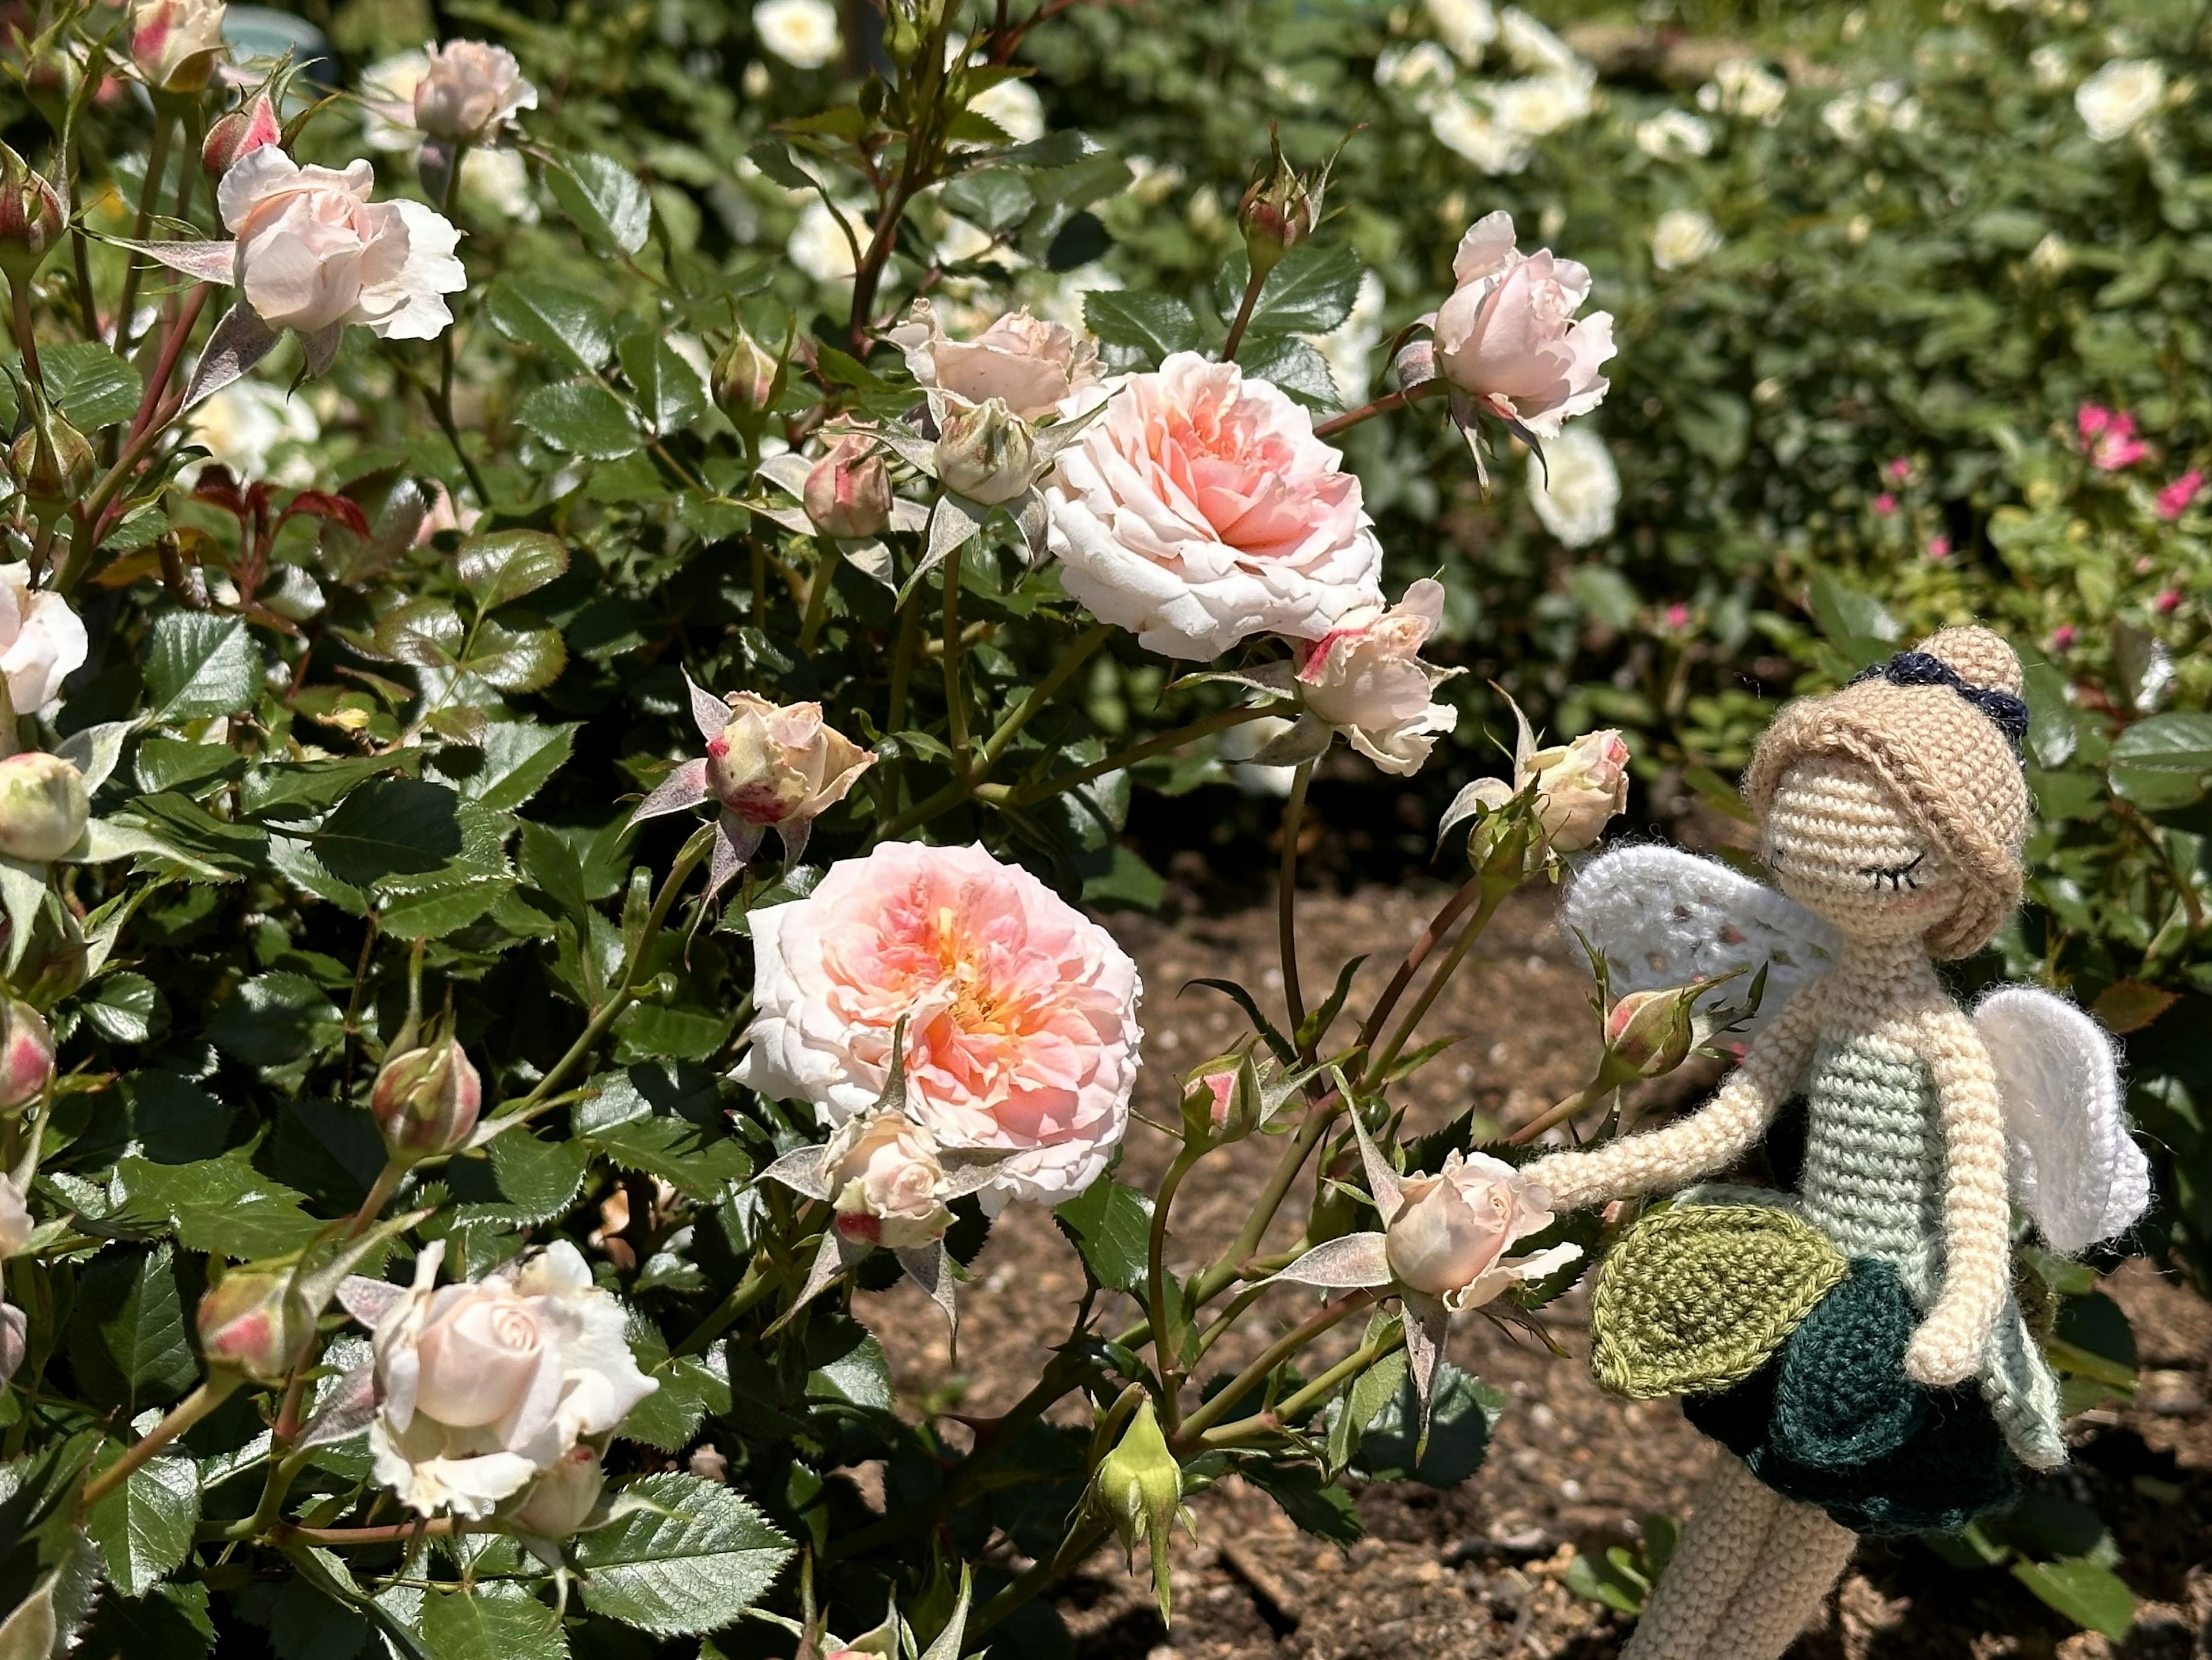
1945	749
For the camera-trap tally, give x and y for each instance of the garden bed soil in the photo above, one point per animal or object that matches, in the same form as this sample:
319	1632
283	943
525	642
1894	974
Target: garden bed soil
1480	1570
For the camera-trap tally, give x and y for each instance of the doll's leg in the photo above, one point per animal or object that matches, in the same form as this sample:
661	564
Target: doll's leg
1723	1541
1804	1554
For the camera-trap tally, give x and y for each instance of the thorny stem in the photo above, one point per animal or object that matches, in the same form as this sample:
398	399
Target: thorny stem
1073	1549
1136	752
380	1194
956	702
1166	1344
756	1284
817	592
1416	954
1286	896
1228	1267
1382	405
1253	283
25	336
1207	1411
157	163
182	1416
1293	1407
1558	1113
1380	1067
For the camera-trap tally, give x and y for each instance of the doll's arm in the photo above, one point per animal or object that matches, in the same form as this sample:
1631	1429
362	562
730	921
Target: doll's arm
1976	1214
1709	1139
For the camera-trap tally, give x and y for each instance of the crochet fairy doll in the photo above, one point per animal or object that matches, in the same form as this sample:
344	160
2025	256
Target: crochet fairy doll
1854	1346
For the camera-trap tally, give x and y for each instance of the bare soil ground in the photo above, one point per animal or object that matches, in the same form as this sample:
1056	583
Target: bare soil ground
1479	1571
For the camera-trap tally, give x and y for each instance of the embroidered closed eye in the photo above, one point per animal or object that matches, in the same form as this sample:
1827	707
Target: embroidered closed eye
1899	876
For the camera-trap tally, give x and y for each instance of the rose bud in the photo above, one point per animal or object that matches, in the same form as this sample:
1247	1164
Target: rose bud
986	452
1453	1230
426	1100
249	1325
15	1331
1278	212
1649	1033
562	1499
32	218
53	463
51	79
1139	1485
883	1172
42	806
26	1054
1582	785
469	90
772	764
848	493
15	1222
175	43
748	379
239	133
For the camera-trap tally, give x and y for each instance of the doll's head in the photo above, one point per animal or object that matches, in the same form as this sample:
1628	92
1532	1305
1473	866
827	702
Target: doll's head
1896	806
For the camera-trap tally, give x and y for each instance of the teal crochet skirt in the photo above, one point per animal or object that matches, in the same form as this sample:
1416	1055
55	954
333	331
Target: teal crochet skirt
1832	1421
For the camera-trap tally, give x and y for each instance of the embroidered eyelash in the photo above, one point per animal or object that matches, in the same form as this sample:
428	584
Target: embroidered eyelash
1899	876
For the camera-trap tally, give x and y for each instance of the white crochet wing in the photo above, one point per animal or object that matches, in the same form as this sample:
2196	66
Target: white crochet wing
1663	917
2075	1170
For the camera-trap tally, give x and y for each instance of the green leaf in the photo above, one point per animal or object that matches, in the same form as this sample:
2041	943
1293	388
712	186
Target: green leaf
275	1018
199	664
539	1178
89	384
1465	1411
128	1008
171	1624
507	564
1110	1225
694	1561
2090	1594
677	1150
602	197
1154	324
300	789
144	1528
1292	364
491	1622
517	655
1309	1498
1855	623
669	393
572	327
519	758
394	825
220	1205
2165	762
1310	291
172	763
127	1341
582	417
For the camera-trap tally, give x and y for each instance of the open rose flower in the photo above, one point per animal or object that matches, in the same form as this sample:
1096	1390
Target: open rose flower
1199	509
1580	786
1035	366
1020	1013
768	766
1365	678
2108	437
1508	337
470	91
480	1386
1446	1245
42	642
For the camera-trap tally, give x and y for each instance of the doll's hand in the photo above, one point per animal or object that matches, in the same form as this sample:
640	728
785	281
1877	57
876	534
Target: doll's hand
1942	1352
1570	1177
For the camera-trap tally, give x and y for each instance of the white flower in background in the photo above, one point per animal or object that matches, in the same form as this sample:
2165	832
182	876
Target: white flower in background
2050	67
1673	133
2052	257
1467	129
499	180
819	248
1465	26
258	432
802	33
1237	747
1682	237
388	101
1411	69
1539	104
1884	105
1058	296
1535	48
1014	107
470	91
1151	182
482	1385
2117	97
1575	488
1349	347
1741	86
42	643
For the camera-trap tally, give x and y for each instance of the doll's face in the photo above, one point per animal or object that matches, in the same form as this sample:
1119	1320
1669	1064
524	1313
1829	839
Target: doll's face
1841	845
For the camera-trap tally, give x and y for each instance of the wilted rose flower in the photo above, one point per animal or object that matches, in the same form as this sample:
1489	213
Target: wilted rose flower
802	33
1199	509
470	91
1365	678
482	1385
884	1176
15	1222
1508	336
986	452
2117	96
1574	486
42	643
1033	366
43	806
26	1054
174	43
313	252
1579	786
248	1324
849	491
426	1100
561	1500
1452	1231
1021	1013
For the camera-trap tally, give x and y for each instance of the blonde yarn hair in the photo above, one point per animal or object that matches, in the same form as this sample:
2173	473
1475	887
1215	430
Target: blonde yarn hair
1947	760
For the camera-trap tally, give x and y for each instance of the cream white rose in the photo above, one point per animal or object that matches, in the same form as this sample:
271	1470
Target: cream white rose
1741	86
1579	786
1682	237
2117	97
1465	26
1034	366
1574	487
1451	1232
256	431
42	643
1365	678
886	1181
1674	133
802	33
470	91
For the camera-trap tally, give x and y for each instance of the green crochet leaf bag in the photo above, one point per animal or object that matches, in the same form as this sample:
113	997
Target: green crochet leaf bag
1696	1297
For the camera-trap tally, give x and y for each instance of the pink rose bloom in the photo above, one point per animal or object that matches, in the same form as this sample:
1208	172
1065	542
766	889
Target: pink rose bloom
2063	637
1033	366
1939	547
2167	603
1021	1013
176	44
1884	504
1507	335
314	253
1899	470
1676	616
1199	509
2173	500
469	90
2109	437
1365	678
2090	420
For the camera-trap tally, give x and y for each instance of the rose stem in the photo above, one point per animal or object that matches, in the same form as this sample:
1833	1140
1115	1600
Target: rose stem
1235	338
1382	405
157	163
1203	1416
186	1413
1288	1409
1375	1071
1166	1336
1287	898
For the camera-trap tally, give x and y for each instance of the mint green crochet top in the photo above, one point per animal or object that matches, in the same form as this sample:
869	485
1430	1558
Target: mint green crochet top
1873	1182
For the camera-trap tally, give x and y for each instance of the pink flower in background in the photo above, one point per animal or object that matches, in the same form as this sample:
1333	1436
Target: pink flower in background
1899	470
2108	436
1200	509
2167	603
1676	616
2063	637
1884	504
1021	1013
1939	547
2173	500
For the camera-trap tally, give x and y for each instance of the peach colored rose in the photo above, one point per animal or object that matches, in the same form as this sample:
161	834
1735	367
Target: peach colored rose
1508	336
1021	1013
1365	678
1034	366
1451	1232
1199	509
470	91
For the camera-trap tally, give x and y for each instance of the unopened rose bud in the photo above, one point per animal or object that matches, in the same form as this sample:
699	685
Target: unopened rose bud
426	1100
174	44
848	493
562	1499
1140	1485
750	772
1278	212
884	1178
43	806
32	218
249	1324
1582	786
52	462
26	1054
1649	1033
1222	1099
50	81
15	1219
748	379
14	1333
239	133
986	452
